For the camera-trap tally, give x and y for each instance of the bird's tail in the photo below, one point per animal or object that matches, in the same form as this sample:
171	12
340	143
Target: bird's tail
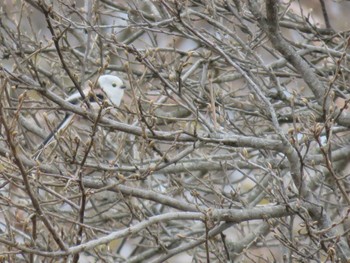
63	124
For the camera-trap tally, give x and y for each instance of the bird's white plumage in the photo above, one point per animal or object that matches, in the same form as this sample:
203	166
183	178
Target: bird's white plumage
113	87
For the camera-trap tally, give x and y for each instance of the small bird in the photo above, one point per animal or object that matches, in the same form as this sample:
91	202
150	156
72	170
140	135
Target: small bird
112	89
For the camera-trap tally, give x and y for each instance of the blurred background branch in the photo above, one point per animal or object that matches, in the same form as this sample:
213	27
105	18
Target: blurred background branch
231	143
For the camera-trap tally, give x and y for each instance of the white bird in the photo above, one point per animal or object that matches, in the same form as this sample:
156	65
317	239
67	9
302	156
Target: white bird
112	89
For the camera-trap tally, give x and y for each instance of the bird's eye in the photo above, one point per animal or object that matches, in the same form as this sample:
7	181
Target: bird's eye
114	84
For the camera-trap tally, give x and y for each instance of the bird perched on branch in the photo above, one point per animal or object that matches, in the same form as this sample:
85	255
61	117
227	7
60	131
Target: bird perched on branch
112	90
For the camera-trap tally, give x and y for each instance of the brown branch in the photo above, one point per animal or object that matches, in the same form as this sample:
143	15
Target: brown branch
82	186
48	12
25	176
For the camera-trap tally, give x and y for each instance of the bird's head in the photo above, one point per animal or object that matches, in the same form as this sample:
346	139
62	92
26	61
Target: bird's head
113	87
